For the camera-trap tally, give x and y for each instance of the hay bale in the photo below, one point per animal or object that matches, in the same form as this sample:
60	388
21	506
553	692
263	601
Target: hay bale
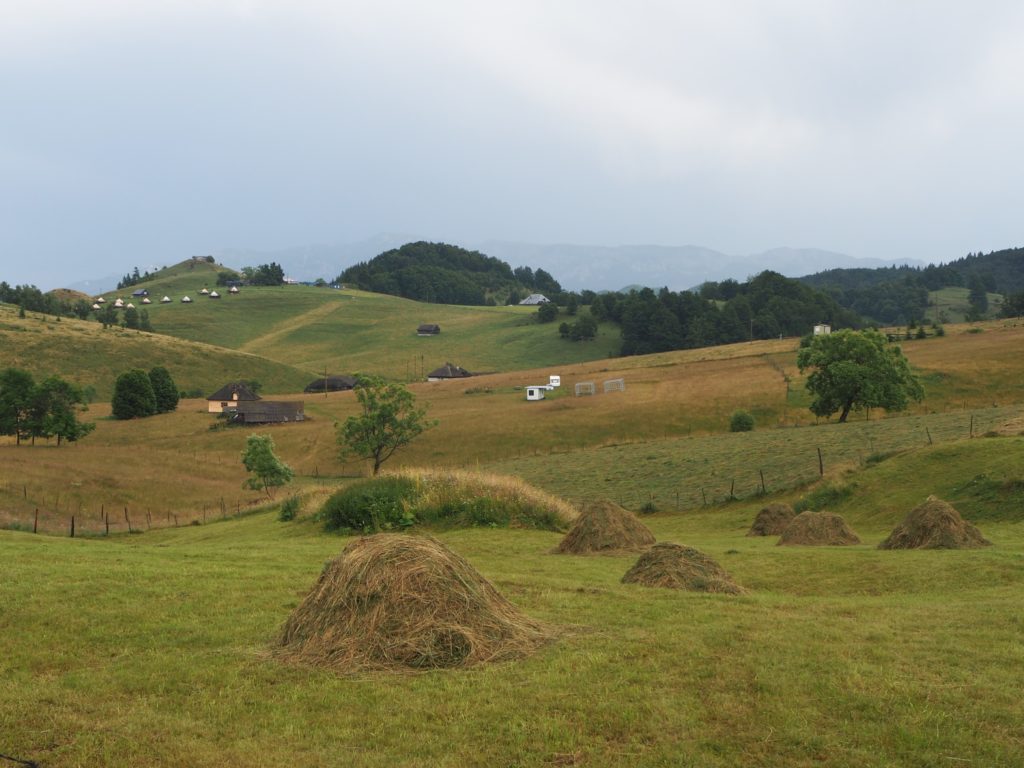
604	527
818	529
934	524
677	567
772	520
405	602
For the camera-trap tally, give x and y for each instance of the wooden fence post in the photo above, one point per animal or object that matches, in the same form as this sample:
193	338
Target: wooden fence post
72	526
764	490
35	522
821	464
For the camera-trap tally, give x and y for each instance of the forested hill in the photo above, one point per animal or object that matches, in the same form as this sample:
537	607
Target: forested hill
446	274
900	294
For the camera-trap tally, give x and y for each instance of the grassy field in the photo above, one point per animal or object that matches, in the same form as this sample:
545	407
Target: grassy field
951	305
659	438
152	650
85	353
344	331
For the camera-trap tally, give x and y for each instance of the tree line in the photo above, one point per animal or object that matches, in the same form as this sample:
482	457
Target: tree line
45	409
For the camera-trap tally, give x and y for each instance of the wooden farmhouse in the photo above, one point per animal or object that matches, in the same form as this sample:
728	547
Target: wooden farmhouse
331	384
268	412
448	371
229	396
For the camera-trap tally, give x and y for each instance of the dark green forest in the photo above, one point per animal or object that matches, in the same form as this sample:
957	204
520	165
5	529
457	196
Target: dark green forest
899	295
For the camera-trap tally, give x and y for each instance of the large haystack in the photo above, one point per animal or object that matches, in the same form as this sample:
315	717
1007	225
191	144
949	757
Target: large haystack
934	525
678	567
604	527
404	602
772	520
818	529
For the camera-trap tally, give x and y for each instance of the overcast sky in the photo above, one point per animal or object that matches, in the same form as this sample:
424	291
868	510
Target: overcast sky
140	132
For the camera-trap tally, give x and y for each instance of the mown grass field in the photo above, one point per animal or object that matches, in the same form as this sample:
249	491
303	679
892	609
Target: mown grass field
951	305
152	650
659	438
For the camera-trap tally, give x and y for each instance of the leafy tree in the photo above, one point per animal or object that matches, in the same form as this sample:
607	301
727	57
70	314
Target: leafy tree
131	318
144	323
107	315
54	411
389	420
546	313
133	396
16	394
857	369
267	274
977	298
267	470
164	389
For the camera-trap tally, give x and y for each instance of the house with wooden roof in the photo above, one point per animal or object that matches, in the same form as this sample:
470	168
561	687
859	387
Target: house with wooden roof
268	412
448	371
229	396
140	293
428	329
331	384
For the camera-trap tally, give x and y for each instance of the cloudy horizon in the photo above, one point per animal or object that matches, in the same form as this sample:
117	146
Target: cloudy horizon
138	134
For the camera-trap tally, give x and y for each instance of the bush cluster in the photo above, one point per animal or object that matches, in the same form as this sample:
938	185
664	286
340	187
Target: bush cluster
741	421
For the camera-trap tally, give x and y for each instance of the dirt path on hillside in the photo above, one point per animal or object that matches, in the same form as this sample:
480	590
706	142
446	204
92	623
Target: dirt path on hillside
282	329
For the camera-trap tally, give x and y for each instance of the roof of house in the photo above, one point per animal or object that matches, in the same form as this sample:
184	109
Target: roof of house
270	412
449	371
331	384
140	292
236	390
536	298
429	328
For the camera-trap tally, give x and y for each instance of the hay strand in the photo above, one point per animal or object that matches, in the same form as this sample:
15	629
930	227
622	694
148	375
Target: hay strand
405	602
603	527
674	566
818	529
934	524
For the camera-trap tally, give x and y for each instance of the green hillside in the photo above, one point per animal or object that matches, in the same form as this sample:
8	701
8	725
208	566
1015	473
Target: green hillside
951	305
85	353
347	330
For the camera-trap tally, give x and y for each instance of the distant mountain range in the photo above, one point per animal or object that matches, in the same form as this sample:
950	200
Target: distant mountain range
576	267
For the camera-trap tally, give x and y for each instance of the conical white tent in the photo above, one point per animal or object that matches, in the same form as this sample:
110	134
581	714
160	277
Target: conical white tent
165	300
186	300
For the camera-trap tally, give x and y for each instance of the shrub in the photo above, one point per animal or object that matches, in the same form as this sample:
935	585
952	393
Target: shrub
370	505
649	507
822	497
741	421
289	509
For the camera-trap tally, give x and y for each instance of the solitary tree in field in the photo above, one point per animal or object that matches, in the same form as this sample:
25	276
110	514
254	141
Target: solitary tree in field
389	419
267	470
857	369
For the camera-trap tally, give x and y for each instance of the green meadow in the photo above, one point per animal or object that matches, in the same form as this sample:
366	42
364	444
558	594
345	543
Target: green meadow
152	649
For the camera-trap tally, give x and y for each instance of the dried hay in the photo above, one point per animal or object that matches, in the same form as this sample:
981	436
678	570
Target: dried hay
395	602
772	520
604	527
677	567
818	529
1011	428
934	524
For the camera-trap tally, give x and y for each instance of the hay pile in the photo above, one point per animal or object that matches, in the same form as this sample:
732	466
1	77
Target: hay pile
772	520
678	567
604	527
817	529
934	525
404	602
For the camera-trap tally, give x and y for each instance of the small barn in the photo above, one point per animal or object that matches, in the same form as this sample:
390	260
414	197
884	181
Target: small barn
535	298
822	329
331	384
140	293
268	412
448	371
428	329
229	396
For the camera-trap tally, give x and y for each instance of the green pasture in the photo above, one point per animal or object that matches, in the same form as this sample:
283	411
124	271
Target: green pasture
951	305
344	331
151	650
